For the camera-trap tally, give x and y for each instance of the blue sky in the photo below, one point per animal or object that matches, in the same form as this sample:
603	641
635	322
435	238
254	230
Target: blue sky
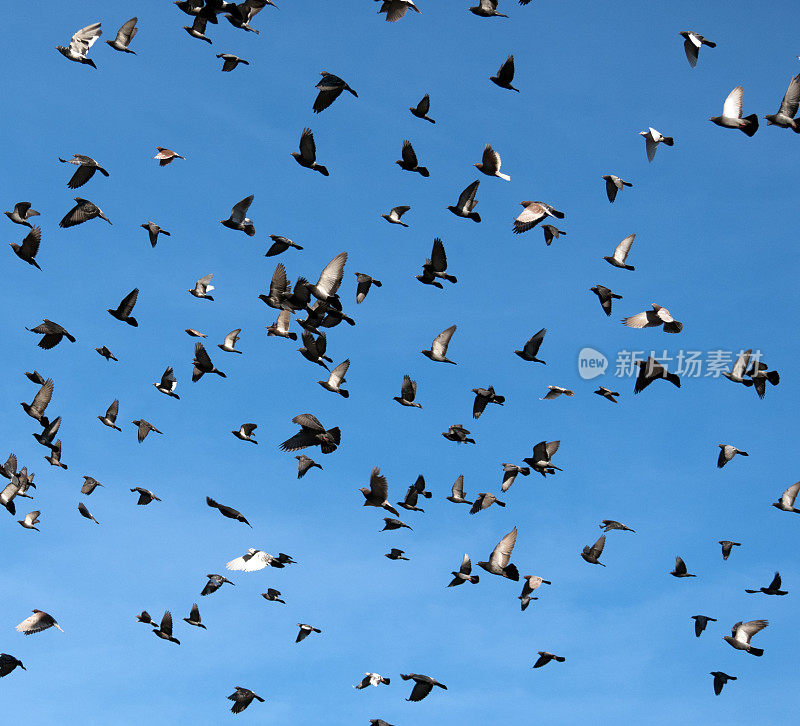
714	218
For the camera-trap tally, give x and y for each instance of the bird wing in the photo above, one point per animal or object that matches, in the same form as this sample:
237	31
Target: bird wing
168	379
30	245
420	690
535	342
529	217
378	485
201	355
232	337
400	211
506	72
408	390
331	276
326	96
424	105
792	98
337	374
84	39
789	496
466	565
43	396
441	341
35	623
409	155
113	410
597	547
202	285
744	631
239	210
690	47
479	405
166	623
740	367
308	149
308	421
458	487
466	200
126	306
640	320
438	256
623	248
491	160
776	582
732	108
650	146
501	554
279	283
126	33
680	566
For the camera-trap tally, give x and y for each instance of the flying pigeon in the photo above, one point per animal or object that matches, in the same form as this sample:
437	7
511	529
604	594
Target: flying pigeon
164	631
80	43
466	203
82	212
422	108
330	88
785	118
732	114
532	214
741	634
307	156
652	139
499	560
228	512
505	75
700	623
614	185
423	685
692	43
85	171
531	349
243	697
618	260
124	37
655	318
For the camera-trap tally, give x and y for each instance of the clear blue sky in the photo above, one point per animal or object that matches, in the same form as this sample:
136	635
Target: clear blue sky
715	218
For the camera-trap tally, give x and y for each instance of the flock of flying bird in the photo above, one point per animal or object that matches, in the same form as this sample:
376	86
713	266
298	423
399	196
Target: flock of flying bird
323	309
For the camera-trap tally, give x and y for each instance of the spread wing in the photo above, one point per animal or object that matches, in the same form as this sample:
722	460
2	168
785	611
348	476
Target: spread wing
458	487
441	341
740	367
337	374
424	105
623	248
126	33
43	396
202	356
308	149
279	283
506	72
239	210
331	277
409	155
232	337
597	547
126	306
789	496
408	390
466	565
501	555
113	411
438	256
691	47
84	39
308	421
732	108
529	218
378	485
491	160
466	199
792	98
30	245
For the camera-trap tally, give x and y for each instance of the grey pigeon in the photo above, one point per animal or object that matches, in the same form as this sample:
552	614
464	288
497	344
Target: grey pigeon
198	29
393	217
31	520
487	9
145	496
231	61
720	679
245	432
531	349
390	523
124	37
229	344
614	185
651	370
313	349
153	230
239	16
46	437
312	433
652	139
330	279
510	472
741	633
457	491
438	351
591	554
37	622
691	45
731	117
409	162
459	434
89	485
164	631
238	218
125	308
464	574
143	428
55	455
422	108
243	697
416	490
396	554
304	463
408	393
396	9
363	284
618	259
466	203
40	402
423	685
52	334
760	376
80	43
85	171
110	419
785	117
700	623
484	501
655	318
280	327
330	87
280	244
215	582
336	378
305	631
499	561
608	524
228	512
82	212
680	569
543	452
192	333
530	585
505	75
85	512
202	364
727	547
774	587
726	453
787	500
532	214
483	397
307	156
21	213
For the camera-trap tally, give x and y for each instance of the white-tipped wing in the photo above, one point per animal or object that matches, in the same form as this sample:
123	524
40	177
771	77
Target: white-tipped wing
84	39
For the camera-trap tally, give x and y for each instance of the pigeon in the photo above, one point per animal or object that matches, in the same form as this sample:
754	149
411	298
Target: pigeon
8	663
592	554
545	658
680	569
125	35
408	393
21	213
530	584
435	267
330	88
84	512
393	217
305	631
280	244
483	397
167	156
614	185
329	279
125	308
363	285
82	212
89	485
423	685
336	378
457	492
720	679
416	490
144	427
192	333
9	469
607	393
505	75
153	230
273	595
106	353
145	618
458	433
726	453
760	375
198	30
255	560
215	582
498	563
307	157
618	260
312	433
727	547
490	164
551	233
33	377
280	327
313	349
239	16
739	369
37	622
510	472
692	43
651	370
396	554
438	351
390	523
487	9
372	679
228	512
85	171
786	502
652	139
31	519
732	114
167	384
304	464
202	364
464	574
164	631
605	296
46	437
238	220
700	623
785	118
466	203
378	493
484	501
243	697
40	402
741	634
409	162
231	61
555	392
543	452
655	318
532	214
52	334
145	496
608	524
245	432
774	587
8	493
80	43
194	617
229	344
422	108
531	349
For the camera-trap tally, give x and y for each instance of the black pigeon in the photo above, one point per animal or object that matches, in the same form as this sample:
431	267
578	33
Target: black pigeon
85	171
531	349
228	512
243	697
423	685
505	75
605	296
700	623
202	364
82	212
651	370
312	433
124	309
330	88
422	108
307	157
409	162
29	248
52	334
